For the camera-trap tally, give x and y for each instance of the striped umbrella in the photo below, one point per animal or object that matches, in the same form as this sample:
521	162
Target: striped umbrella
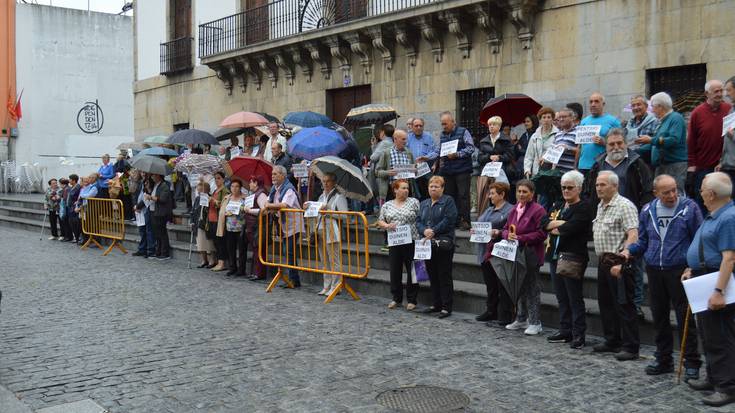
348	178
307	119
243	120
373	113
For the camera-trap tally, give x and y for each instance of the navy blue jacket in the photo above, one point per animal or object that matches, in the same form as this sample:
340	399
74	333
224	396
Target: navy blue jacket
462	164
440	217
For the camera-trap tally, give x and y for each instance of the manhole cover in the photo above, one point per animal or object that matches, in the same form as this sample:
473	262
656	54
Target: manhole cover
423	399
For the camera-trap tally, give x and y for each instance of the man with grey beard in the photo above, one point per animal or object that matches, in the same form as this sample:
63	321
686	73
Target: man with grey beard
636	180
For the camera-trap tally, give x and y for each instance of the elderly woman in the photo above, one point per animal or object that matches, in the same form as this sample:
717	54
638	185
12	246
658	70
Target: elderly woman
499	306
539	142
230	223
260	198
53	199
570	226
402	210
89	190
216	201
436	221
526	217
495	147
200	224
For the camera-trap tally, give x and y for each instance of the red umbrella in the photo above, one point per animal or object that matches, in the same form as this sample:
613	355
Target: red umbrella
512	107
246	167
244	120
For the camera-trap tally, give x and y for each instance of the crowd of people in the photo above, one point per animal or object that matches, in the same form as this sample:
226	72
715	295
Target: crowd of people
653	194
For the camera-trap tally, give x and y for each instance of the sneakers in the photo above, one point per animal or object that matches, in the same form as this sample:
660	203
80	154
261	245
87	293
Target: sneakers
691	373
701	385
577	343
392	305
51	238
656	367
410	307
384	248
559	338
533	330
718	399
517	325
444	314
163	257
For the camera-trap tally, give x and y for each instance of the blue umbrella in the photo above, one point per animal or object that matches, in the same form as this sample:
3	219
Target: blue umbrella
158	151
307	119
312	143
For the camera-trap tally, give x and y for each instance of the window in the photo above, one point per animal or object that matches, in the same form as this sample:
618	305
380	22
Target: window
469	104
677	80
181	126
180	13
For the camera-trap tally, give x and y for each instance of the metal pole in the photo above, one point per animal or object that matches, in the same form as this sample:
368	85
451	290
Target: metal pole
43	225
191	241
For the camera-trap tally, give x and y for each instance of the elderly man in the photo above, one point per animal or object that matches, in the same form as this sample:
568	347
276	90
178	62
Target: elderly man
273	137
668	145
566	136
704	138
409	123
331	250
397	157
578	110
421	144
614	229
597	117
666	229
727	161
279	157
713	250
234	149
160	203
106	172
284	195
456	168
642	123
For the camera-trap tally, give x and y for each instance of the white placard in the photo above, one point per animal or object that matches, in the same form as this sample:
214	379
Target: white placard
700	289
422	250
139	218
249	201
492	169
727	123
449	148
233	207
586	134
405	171
300	170
312	209
481	232
505	249
422	168
203	199
255	151
553	154
234	152
400	236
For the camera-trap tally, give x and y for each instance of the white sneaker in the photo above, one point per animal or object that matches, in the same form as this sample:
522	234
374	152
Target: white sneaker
517	325
51	238
533	329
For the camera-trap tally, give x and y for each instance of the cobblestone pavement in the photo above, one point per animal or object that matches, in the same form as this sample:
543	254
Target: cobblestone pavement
148	336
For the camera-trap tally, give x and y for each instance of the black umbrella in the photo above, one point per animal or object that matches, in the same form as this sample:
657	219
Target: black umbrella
151	165
374	113
270	118
512	273
192	136
548	183
222	134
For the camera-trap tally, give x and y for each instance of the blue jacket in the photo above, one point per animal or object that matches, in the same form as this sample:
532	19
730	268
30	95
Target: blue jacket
441	217
463	163
106	172
680	233
673	133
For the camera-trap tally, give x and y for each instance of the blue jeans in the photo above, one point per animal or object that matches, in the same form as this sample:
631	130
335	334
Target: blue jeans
639	293
146	244
287	248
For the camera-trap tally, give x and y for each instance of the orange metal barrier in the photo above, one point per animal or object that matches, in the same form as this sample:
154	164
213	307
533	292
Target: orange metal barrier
334	243
103	218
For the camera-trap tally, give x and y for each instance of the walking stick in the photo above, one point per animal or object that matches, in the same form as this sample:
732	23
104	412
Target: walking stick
683	343
191	241
43	225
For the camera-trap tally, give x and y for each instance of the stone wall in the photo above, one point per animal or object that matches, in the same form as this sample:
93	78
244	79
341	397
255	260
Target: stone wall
579	47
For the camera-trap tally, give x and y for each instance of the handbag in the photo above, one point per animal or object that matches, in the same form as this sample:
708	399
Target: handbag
571	265
420	272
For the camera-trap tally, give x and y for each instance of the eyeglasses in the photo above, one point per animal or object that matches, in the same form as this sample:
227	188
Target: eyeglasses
568	188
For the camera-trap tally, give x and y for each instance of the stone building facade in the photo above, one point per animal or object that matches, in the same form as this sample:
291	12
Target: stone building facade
421	56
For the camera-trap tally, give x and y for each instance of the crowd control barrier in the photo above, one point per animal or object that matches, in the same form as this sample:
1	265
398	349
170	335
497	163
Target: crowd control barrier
103	218
334	242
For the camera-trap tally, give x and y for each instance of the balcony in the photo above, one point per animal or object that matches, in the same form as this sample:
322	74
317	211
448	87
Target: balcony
176	56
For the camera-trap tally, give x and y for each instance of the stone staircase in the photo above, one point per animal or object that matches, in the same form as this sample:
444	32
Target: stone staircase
26	212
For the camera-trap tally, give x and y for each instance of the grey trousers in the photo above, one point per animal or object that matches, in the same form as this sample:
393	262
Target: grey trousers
678	170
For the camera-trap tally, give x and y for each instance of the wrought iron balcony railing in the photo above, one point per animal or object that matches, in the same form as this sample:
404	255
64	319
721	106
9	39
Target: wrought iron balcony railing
283	18
176	56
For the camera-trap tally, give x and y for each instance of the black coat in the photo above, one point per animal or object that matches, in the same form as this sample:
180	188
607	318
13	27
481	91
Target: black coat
164	204
638	181
503	148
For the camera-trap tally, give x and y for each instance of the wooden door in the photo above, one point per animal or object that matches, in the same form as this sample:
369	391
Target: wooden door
256	21
340	101
181	19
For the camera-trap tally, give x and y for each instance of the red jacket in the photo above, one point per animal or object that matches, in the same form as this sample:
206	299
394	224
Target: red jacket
528	229
704	137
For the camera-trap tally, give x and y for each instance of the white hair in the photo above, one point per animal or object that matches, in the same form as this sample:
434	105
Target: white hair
573	176
719	183
662	99
710	83
660	178
612	178
281	170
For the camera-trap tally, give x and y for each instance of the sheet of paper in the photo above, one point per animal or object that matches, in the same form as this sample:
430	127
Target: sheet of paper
400	236
233	207
203	199
586	134
249	201
255	151
405	171
422	168
140	219
422	250
481	232
300	170
234	152
727	123
700	289
553	154
505	249
449	148
312	209
492	169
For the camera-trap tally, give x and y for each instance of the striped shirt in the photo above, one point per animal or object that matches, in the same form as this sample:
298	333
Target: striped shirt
567	162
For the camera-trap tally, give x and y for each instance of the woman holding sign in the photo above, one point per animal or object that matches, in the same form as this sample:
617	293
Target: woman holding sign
398	217
230	225
495	147
526	217
199	224
539	142
215	203
253	204
435	223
